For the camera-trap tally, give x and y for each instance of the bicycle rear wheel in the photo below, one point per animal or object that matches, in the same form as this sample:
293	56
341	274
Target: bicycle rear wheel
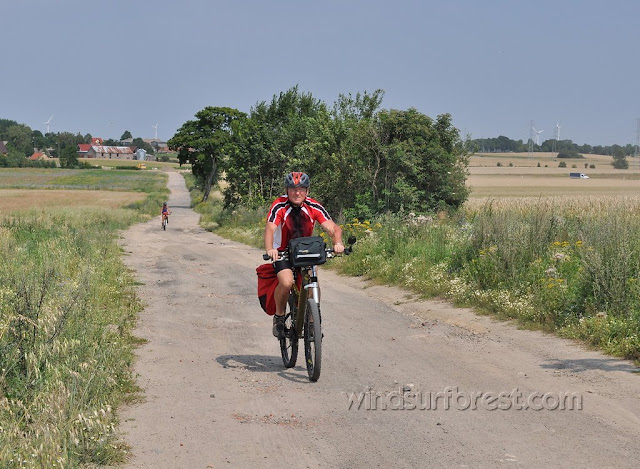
313	339
289	344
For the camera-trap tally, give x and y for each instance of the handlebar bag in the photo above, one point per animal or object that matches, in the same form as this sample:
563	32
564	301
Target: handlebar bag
267	283
307	251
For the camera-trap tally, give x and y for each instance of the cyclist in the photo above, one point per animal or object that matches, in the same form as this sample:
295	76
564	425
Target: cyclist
165	213
293	215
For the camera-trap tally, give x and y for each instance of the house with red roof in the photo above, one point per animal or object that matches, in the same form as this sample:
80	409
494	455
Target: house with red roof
83	148
38	155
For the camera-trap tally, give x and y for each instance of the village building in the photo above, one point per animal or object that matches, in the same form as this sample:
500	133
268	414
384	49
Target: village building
158	146
103	151
97	149
83	148
38	155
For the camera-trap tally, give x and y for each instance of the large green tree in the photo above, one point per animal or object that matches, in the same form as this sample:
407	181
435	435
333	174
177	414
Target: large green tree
278	136
619	158
66	148
19	138
361	161
207	142
402	160
4	127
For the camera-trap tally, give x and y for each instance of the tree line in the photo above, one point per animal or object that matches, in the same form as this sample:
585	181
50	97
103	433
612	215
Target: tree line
22	141
362	160
504	144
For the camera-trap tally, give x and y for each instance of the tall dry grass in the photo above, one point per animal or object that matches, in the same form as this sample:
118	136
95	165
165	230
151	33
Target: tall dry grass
67	306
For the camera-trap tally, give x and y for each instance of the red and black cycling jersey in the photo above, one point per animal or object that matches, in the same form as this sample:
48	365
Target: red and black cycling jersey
294	222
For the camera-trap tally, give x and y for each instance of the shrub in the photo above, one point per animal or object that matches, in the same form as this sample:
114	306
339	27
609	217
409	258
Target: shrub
133	168
569	154
562	164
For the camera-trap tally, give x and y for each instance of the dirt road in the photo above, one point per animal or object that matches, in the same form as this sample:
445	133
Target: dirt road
404	383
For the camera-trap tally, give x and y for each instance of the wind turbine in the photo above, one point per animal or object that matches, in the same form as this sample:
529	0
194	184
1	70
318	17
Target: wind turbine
556	134
538	132
155	127
48	122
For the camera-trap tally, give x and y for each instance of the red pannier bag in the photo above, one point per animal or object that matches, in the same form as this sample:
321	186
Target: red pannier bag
267	283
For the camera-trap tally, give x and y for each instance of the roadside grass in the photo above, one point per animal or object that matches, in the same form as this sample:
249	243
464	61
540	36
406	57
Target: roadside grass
242	225
568	265
67	309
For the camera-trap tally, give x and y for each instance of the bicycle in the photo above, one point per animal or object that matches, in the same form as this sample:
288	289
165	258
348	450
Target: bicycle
302	318
165	221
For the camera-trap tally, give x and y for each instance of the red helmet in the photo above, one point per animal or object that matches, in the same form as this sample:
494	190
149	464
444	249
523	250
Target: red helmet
296	179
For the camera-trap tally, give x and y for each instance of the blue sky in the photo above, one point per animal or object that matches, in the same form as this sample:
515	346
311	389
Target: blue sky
106	66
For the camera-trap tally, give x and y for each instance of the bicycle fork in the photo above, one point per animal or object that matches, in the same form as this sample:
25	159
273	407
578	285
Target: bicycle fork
310	290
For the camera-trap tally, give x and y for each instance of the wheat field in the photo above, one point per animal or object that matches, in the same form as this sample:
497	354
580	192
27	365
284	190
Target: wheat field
18	199
525	179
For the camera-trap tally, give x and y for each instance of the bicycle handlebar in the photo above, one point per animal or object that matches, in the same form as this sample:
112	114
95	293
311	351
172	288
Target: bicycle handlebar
330	253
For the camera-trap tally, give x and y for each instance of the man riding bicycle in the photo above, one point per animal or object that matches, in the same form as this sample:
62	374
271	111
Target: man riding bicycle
293	215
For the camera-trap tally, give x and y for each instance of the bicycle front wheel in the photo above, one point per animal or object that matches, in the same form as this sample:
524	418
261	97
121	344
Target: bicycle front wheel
313	339
289	344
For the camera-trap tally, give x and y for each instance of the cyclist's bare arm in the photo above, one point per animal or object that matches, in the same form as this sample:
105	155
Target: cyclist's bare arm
269	232
334	230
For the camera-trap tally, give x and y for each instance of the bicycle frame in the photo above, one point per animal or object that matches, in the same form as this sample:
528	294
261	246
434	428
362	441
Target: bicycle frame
310	289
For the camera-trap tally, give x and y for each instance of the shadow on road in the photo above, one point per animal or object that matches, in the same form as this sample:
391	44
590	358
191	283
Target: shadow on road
251	362
264	363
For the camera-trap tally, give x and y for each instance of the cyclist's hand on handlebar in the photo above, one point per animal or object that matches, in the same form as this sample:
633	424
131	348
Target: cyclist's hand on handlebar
338	248
274	254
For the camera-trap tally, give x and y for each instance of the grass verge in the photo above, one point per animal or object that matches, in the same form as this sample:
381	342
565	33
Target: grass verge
67	309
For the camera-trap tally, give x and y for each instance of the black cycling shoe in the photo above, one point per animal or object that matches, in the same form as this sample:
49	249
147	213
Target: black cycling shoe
278	326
